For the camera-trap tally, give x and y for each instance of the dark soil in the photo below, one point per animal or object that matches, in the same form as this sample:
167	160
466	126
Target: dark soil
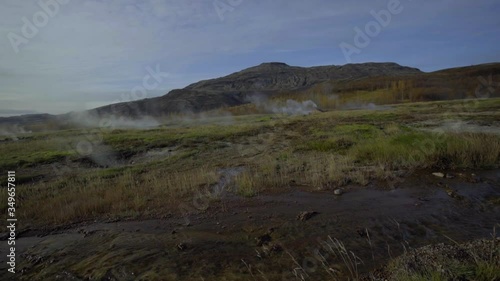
261	238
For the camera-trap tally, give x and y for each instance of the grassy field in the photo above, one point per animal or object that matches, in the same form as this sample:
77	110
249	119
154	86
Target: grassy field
77	175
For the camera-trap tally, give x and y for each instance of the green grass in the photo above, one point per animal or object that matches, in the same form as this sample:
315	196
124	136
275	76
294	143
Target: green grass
320	151
32	159
326	145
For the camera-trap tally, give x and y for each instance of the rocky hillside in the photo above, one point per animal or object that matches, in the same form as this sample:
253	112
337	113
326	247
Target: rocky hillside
276	76
231	90
379	83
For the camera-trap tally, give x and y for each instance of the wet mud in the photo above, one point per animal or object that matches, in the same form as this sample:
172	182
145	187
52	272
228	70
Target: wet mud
268	236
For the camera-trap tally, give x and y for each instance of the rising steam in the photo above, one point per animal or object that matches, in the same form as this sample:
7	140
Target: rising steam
290	107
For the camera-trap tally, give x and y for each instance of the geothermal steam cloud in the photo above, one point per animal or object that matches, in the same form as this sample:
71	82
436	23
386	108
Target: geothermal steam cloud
290	107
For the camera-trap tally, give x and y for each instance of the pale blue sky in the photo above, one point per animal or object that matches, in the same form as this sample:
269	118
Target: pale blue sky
92	51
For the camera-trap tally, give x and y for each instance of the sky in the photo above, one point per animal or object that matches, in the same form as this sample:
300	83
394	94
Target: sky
69	55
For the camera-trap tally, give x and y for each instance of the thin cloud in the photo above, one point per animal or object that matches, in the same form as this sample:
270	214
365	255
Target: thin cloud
93	51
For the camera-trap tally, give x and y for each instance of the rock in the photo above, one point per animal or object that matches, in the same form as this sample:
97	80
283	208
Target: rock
453	194
306	215
263	239
182	246
231	90
338	192
474	179
362	233
439	175
271	248
450	176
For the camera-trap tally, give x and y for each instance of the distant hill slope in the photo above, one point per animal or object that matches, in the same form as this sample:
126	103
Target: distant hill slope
478	81
380	83
277	76
267	79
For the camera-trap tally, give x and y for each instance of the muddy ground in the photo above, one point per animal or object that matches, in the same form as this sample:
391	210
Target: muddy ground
264	238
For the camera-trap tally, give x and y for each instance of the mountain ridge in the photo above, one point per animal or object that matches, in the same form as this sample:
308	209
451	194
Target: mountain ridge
267	79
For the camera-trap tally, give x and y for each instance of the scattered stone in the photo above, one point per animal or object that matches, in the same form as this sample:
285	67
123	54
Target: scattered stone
182	246
362	233
86	233
263	239
338	192
306	215
271	248
453	194
439	175
450	176
474	179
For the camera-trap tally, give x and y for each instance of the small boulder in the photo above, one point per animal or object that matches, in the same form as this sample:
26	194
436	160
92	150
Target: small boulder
474	178
439	175
306	215
450	176
271	248
181	246
453	194
338	192
263	239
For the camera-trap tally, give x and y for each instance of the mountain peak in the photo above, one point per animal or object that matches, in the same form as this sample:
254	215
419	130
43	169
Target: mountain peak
274	64
269	66
276	76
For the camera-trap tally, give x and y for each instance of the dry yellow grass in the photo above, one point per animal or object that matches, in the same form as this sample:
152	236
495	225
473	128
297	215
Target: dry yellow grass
128	195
